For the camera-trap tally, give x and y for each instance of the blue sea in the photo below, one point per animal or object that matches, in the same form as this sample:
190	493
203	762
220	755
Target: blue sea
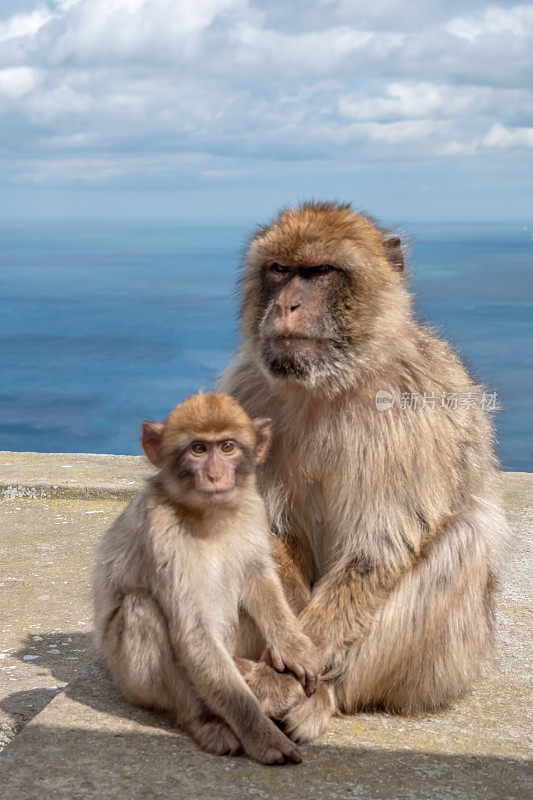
104	324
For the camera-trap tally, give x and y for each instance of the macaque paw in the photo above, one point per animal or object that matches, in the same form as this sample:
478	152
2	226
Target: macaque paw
309	717
300	656
214	736
272	747
276	692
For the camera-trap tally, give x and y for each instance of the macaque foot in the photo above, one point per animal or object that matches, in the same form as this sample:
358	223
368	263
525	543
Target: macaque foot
276	691
309	716
214	736
273	747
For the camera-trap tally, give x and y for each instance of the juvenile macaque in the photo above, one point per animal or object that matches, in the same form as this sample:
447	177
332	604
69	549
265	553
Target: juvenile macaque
179	566
388	519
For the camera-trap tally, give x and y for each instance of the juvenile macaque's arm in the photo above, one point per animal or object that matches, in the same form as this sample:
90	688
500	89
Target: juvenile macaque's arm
289	647
219	682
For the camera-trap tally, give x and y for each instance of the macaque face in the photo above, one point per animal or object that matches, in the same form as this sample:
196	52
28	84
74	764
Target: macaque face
318	280
207	450
211	467
301	329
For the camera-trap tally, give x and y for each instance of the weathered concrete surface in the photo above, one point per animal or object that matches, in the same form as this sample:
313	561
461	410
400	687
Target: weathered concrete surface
71	475
89	744
45	622
79	739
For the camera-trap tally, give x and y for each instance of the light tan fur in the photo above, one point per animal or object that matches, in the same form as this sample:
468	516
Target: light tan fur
390	520
170	582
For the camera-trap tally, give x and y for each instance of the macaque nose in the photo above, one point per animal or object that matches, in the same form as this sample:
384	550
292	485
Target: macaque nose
218	477
285	308
288	315
214	475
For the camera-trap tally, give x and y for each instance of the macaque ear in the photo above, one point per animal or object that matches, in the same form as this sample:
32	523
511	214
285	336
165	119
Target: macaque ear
152	433
393	249
262	437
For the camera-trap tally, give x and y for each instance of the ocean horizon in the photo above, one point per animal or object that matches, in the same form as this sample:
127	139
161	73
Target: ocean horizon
106	323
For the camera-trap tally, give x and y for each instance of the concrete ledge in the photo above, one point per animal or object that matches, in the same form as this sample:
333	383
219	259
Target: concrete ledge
82	475
70	735
94	475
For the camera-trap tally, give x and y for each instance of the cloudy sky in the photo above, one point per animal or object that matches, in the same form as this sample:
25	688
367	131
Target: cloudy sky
229	108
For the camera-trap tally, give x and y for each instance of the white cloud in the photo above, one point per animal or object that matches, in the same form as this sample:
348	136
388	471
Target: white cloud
404	131
422	100
410	99
129	29
18	81
73	141
24	25
92	169
317	51
494	21
503	137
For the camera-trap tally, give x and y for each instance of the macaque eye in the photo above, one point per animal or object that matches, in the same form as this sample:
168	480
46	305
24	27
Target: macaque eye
321	269
228	447
279	269
198	448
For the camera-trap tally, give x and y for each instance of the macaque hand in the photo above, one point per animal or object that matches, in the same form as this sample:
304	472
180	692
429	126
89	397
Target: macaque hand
300	656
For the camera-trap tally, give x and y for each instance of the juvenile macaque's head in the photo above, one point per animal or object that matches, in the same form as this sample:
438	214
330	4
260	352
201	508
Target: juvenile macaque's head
207	449
322	284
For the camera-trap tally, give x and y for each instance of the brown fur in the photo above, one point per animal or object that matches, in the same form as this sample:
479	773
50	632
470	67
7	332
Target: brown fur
170	580
206	413
392	519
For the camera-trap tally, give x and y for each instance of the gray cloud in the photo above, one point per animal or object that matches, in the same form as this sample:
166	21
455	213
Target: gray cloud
113	91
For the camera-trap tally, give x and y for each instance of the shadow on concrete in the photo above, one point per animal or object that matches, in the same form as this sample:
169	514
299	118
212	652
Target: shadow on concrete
97	757
70	763
65	656
87	680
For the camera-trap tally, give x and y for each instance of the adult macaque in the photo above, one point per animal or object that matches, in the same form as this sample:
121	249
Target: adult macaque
388	519
178	566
